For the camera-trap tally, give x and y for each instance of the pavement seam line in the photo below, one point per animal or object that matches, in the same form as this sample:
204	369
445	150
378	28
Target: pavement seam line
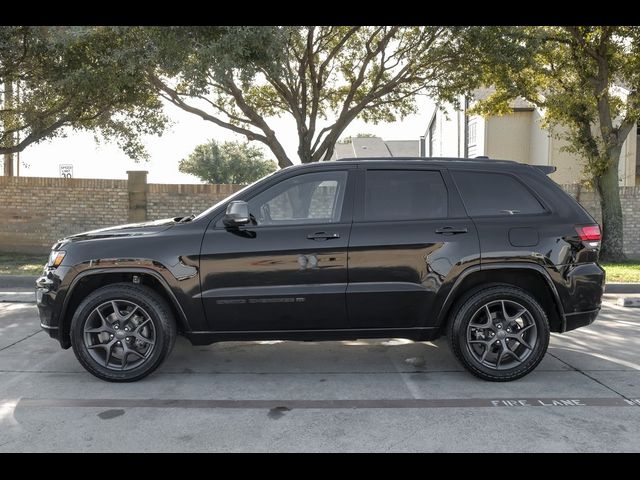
590	377
322	404
21	340
411	387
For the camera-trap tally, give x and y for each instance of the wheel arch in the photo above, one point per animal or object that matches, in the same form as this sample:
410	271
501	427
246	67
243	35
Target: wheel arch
530	277
90	280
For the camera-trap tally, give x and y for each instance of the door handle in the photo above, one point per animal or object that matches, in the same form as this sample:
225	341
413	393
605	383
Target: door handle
322	236
450	230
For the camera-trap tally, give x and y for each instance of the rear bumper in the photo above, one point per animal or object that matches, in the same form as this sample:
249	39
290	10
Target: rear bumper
579	319
581	293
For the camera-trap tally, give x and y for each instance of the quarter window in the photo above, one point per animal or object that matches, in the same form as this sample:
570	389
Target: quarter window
495	194
308	198
405	195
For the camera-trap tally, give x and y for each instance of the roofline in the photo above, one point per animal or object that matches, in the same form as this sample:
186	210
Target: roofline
429	159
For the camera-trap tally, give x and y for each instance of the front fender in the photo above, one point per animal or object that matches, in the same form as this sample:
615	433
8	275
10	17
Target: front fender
179	290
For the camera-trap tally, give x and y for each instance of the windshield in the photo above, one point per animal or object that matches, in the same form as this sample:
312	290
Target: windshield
231	197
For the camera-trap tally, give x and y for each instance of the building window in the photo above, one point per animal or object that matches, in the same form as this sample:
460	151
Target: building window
432	137
471	133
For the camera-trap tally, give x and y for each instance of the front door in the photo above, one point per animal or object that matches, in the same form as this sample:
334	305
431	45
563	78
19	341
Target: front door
407	241
287	270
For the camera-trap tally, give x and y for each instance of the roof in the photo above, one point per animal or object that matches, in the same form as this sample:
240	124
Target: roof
517	103
441	162
361	147
403	148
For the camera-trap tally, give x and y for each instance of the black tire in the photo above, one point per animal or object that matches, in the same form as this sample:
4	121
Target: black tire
151	305
468	343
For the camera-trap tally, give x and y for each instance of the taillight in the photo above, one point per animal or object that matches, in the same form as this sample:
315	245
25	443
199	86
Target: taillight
589	233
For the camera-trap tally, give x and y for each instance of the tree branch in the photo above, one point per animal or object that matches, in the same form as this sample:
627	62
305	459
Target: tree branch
173	96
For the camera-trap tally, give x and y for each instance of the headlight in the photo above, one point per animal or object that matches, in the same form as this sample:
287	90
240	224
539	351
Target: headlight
56	257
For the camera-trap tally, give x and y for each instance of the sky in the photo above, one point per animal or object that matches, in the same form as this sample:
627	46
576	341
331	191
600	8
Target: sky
106	160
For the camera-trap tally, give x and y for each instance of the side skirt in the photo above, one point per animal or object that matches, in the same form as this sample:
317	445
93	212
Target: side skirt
417	333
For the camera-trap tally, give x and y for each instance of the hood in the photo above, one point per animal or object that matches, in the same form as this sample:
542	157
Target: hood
128	230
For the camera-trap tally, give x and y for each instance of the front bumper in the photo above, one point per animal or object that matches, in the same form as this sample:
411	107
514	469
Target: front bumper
48	299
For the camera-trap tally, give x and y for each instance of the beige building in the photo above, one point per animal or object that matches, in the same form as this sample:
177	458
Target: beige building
516	136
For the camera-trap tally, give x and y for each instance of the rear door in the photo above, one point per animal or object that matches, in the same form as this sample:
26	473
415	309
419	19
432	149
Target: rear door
409	238
510	218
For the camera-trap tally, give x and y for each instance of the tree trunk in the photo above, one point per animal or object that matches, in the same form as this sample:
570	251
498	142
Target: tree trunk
609	192
8	104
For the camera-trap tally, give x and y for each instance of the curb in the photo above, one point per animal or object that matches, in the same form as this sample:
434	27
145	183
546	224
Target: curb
622	288
17	281
17	297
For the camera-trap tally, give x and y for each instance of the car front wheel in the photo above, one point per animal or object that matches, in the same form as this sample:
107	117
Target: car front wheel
122	332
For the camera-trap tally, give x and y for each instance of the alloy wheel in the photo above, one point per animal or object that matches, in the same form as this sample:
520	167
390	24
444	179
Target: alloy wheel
119	335
501	334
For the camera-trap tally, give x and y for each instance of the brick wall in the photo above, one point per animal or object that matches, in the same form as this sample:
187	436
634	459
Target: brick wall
166	200
630	200
35	212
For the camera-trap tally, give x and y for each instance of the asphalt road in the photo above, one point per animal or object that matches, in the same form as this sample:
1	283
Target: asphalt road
371	395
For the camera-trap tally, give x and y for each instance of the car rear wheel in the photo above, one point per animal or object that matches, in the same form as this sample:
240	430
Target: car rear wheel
122	332
499	333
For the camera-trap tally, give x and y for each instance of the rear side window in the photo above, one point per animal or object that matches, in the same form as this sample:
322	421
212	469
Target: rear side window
495	194
405	195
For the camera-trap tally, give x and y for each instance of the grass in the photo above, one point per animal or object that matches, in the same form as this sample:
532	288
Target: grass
21	264
29	264
627	272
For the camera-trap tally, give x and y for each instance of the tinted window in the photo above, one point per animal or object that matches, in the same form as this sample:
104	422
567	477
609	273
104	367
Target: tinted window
495	194
405	195
308	198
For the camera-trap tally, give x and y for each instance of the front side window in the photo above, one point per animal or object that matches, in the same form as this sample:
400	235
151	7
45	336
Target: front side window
485	193
308	198
405	195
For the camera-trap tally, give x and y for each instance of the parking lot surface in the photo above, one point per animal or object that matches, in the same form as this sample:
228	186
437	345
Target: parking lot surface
368	395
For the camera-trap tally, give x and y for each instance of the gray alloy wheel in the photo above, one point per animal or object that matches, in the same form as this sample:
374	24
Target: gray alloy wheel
122	332
499	332
119	334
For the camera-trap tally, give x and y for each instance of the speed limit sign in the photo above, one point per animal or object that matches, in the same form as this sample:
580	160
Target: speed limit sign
66	170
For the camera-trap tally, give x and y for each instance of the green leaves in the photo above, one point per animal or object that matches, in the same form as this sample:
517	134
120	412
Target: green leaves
85	78
227	162
586	79
323	77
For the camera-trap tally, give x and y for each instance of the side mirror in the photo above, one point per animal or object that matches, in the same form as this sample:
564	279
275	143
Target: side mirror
237	214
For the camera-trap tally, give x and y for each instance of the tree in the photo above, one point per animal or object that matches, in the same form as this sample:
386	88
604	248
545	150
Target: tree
228	162
587	81
322	77
86	78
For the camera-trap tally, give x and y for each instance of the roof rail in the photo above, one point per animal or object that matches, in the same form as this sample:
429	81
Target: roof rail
428	159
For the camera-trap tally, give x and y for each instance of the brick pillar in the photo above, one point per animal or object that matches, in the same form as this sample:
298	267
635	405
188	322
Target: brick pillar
137	187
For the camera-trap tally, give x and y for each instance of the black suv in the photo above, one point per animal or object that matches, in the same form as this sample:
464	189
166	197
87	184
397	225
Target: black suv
491	253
